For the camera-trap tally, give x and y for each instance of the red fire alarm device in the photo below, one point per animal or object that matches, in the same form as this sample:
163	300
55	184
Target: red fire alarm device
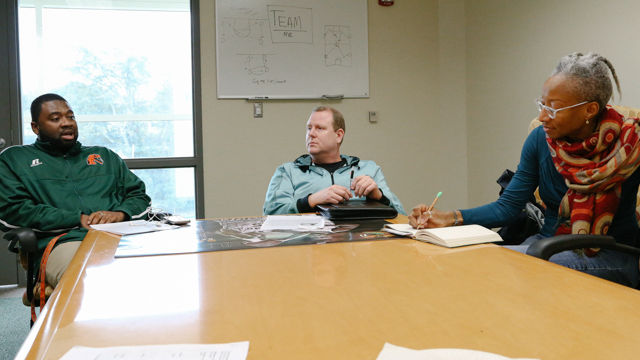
385	2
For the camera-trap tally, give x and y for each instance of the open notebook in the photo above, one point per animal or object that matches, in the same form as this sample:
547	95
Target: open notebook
447	236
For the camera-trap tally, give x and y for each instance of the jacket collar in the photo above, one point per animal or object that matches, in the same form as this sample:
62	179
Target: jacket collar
52	150
304	162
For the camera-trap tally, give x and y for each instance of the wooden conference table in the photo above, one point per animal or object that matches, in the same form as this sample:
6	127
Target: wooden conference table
337	301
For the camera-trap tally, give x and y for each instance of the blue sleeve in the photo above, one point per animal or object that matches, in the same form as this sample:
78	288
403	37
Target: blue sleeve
378	177
517	193
280	195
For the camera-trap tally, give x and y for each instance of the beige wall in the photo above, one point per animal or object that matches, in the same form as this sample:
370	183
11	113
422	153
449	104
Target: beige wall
453	81
512	47
417	84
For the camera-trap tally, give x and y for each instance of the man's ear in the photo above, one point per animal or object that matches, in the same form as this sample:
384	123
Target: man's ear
340	134
35	128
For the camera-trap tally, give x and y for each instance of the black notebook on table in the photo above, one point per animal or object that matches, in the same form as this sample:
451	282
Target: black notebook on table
357	210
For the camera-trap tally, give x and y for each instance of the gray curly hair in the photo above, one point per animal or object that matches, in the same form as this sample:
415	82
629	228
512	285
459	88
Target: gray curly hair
589	77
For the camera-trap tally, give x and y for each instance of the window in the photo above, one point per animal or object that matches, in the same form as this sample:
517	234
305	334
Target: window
126	69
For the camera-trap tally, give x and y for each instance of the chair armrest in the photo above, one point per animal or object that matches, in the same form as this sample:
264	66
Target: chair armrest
545	248
25	236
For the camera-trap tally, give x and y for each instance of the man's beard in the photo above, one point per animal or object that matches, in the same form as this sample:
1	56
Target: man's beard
59	143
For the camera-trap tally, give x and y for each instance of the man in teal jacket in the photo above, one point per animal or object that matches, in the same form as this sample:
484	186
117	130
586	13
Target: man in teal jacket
57	186
325	176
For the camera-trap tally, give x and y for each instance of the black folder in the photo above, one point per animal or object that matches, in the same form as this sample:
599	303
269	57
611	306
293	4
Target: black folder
357	210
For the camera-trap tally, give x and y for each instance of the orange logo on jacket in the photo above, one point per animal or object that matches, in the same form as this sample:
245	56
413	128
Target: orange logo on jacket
94	159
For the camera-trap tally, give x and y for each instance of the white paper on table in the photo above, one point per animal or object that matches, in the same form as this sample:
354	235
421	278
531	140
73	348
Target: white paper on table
293	222
133	227
230	351
393	352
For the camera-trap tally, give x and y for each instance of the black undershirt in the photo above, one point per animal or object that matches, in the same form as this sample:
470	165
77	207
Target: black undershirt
331	168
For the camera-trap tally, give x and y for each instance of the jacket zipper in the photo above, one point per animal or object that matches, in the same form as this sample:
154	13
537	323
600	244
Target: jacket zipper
73	184
331	173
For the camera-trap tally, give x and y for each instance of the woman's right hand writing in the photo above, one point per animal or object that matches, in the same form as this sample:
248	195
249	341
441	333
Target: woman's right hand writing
421	218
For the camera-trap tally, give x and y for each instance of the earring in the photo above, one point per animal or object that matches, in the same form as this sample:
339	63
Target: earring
587	120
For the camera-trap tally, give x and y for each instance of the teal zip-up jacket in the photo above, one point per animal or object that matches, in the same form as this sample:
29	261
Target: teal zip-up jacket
46	190
298	179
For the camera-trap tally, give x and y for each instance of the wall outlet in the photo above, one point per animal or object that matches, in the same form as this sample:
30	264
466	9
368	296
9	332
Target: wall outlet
257	109
373	116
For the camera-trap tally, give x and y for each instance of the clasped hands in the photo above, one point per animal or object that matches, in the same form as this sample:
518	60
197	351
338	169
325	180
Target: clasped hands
362	185
101	217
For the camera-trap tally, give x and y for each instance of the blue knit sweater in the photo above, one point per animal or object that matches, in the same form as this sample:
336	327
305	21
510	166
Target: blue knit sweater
536	169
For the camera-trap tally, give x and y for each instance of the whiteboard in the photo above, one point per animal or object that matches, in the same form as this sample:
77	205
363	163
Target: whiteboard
292	49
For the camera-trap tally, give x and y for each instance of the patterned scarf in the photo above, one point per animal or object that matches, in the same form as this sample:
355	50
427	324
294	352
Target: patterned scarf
594	171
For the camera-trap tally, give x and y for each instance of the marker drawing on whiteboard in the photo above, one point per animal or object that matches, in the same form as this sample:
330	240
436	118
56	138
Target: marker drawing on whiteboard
275	81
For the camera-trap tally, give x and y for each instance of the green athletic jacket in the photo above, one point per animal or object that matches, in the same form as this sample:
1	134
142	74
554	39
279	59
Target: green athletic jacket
45	190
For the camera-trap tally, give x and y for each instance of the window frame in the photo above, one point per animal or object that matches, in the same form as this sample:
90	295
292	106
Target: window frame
10	107
9	74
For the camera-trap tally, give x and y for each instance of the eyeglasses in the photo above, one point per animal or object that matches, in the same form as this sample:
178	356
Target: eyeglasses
551	111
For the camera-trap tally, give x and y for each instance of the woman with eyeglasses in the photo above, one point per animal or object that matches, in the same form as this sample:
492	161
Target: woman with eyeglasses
583	159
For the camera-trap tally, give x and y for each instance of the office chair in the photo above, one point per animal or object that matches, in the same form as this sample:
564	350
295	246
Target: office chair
23	241
545	248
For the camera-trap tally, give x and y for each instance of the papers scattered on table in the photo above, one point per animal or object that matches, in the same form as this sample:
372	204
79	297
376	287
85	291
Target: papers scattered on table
294	222
447	236
133	227
230	351
393	352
